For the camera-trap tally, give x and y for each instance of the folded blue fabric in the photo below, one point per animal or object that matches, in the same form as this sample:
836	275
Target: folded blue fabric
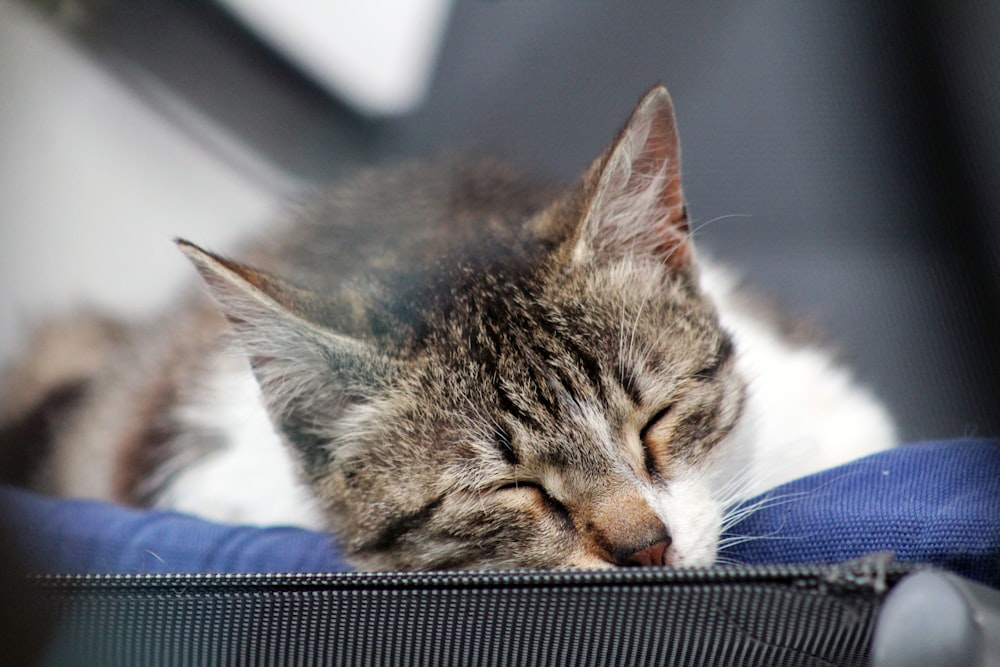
935	503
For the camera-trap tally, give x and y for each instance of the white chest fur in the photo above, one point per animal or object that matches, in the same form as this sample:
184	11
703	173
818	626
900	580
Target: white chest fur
803	412
249	477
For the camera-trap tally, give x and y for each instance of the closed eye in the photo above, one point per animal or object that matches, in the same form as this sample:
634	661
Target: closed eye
648	445
556	507
722	355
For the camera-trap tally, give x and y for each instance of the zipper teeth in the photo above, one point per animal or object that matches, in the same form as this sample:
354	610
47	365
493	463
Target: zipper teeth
804	574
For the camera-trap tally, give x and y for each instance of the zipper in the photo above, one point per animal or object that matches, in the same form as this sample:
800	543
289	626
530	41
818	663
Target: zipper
873	574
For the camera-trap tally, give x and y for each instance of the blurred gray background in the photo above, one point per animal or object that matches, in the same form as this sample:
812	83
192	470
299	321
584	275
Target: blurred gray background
848	156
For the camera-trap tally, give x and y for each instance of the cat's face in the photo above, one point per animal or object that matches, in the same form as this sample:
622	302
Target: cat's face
559	413
567	424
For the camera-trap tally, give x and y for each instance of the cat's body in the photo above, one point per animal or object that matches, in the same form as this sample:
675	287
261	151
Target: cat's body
468	370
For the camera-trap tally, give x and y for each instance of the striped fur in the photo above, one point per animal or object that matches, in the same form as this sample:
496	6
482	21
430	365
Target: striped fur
454	367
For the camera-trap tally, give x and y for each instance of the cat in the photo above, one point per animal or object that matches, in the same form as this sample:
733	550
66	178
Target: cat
452	366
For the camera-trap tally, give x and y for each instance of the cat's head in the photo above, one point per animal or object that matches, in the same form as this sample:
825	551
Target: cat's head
562	412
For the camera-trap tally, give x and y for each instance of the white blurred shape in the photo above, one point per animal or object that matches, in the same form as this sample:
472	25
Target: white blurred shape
377	55
95	182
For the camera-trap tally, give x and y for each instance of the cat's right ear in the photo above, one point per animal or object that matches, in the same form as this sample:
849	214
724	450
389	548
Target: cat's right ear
304	369
633	202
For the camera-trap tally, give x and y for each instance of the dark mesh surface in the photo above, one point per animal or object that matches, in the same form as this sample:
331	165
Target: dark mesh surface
745	617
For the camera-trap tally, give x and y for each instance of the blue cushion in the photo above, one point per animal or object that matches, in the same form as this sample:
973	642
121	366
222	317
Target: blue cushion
936	503
88	537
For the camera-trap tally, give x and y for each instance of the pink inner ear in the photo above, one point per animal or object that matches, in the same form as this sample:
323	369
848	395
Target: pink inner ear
637	205
662	152
659	162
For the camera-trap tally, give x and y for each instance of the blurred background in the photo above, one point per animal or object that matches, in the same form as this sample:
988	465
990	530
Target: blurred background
846	157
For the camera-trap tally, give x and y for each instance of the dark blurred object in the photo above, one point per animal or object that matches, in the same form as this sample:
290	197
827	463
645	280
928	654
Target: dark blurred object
25	623
845	156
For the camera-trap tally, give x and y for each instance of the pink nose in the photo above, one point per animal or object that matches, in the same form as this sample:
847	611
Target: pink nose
655	555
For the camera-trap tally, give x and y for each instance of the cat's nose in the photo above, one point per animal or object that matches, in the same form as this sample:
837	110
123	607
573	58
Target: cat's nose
654	555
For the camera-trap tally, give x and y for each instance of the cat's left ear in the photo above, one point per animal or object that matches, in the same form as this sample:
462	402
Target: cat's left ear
309	373
634	203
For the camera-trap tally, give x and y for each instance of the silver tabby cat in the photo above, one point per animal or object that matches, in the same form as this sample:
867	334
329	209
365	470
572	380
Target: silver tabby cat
452	366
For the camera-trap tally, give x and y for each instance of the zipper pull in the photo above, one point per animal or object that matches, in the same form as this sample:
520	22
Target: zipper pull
870	572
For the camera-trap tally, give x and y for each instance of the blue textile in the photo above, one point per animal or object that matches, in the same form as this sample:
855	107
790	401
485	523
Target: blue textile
86	537
936	503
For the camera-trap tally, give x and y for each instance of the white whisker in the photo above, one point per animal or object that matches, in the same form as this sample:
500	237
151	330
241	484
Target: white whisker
700	226
736	517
